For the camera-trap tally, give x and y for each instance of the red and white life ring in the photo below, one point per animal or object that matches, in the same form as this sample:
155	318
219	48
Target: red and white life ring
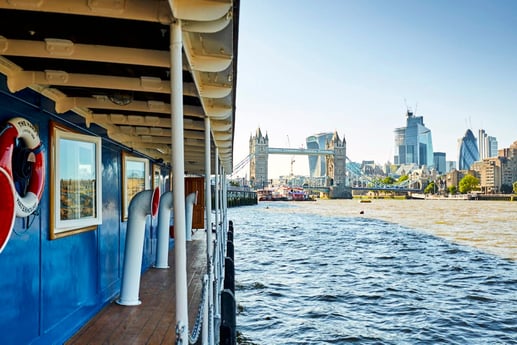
20	128
17	205
7	208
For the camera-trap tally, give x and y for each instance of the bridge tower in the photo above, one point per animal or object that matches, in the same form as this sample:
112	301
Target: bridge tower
336	168
259	152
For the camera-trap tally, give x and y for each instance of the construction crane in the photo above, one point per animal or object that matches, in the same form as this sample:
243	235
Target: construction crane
292	157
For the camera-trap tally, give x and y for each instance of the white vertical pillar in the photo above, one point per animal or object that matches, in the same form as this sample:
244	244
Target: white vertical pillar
216	197
217	254
178	181
225	208
209	329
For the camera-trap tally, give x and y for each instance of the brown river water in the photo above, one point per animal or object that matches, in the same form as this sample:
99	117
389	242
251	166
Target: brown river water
487	225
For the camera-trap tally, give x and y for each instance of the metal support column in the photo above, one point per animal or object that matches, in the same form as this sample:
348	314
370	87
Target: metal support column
208	325
217	254
178	183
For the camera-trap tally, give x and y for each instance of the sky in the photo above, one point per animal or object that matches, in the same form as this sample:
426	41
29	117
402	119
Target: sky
355	67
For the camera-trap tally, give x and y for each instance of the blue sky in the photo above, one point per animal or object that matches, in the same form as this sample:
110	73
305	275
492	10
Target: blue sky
306	67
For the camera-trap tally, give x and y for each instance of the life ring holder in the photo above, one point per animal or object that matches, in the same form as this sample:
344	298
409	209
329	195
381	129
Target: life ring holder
16	205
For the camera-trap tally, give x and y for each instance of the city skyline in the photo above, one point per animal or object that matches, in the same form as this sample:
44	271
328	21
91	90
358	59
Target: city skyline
440	161
355	67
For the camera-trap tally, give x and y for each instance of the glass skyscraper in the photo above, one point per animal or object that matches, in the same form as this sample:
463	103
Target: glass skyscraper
440	162
318	164
414	143
468	151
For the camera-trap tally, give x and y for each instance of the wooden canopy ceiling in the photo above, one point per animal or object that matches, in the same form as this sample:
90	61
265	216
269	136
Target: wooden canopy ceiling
109	62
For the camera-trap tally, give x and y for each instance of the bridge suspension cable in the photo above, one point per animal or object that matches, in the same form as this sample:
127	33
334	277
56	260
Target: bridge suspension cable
239	166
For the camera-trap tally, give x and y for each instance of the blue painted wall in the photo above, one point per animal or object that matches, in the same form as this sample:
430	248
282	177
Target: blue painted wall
50	288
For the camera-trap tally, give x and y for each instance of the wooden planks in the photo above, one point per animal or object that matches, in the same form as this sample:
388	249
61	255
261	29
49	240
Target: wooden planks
154	321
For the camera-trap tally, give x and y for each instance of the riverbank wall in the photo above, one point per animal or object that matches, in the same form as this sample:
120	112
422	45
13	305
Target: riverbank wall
496	197
238	196
241	198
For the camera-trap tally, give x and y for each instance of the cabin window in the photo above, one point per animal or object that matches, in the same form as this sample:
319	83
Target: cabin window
135	178
76	198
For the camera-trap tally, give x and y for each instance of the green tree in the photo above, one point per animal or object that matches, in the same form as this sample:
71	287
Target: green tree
515	187
430	188
452	190
403	178
388	180
468	184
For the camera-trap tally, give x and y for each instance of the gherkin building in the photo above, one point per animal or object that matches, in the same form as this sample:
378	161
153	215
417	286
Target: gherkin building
468	151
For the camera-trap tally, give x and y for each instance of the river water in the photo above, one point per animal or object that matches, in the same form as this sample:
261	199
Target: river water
402	272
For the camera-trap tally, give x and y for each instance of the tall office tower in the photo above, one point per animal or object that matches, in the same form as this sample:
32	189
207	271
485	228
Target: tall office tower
468	150
481	144
440	164
317	164
413	143
487	145
492	146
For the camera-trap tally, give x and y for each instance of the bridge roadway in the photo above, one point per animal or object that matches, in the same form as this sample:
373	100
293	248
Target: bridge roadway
290	151
385	189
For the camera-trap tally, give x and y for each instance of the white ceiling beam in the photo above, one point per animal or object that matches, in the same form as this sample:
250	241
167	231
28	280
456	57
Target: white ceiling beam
144	10
200	10
21	79
139	120
65	104
66	49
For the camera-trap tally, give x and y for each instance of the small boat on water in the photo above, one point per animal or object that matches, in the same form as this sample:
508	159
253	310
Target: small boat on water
283	193
365	201
420	196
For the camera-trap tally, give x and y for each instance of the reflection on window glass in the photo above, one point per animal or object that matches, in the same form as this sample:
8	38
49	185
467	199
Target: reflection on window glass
157	178
77	179
76	182
135	177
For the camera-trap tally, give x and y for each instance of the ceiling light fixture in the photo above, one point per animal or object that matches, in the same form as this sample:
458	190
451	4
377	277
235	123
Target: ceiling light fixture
121	98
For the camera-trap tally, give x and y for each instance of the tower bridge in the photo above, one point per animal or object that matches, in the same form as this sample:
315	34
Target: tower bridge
340	170
335	158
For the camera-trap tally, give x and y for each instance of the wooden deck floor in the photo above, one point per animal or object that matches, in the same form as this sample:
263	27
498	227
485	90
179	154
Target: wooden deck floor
153	321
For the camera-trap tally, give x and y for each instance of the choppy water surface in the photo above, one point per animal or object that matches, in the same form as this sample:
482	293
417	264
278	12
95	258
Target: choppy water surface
404	272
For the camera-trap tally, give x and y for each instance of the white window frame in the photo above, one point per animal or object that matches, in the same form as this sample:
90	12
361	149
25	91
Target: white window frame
147	182
59	227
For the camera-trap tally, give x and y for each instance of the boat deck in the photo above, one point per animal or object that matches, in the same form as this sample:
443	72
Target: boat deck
153	321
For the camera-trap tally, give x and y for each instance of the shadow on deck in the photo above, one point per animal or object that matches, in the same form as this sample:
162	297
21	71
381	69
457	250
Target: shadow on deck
153	321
